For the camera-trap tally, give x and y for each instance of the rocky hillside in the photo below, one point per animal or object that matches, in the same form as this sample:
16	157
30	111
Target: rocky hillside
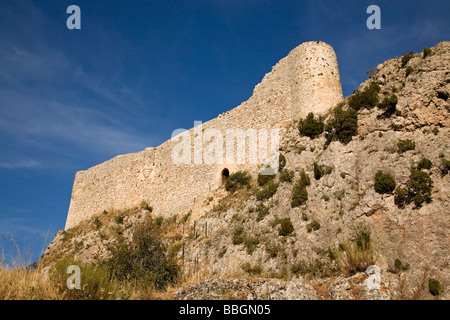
367	184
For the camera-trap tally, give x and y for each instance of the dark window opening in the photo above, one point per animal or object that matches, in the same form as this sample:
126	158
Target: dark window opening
225	175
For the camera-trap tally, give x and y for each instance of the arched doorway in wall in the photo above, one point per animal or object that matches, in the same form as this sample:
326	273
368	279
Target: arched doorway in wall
225	175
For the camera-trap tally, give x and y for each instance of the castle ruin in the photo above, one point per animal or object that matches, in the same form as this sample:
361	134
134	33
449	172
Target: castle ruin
307	80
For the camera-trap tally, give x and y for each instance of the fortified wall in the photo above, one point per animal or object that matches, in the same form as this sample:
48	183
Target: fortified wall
307	80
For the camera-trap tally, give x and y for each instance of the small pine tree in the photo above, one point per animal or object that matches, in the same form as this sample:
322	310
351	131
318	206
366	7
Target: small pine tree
267	191
310	126
419	187
263	179
434	286
445	166
384	182
406	57
286	175
366	99
401	197
342	126
389	104
424	164
299	193
409	70
426	52
286	227
281	162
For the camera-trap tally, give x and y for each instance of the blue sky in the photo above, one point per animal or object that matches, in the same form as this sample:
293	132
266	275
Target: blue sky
137	70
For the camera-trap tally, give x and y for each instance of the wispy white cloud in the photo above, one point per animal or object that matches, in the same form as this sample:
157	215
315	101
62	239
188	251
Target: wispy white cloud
51	102
20	164
19	225
49	124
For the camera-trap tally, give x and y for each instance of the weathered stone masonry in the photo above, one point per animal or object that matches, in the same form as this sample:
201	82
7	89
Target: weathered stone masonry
307	80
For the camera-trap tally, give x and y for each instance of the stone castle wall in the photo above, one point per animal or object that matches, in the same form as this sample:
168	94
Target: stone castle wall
307	80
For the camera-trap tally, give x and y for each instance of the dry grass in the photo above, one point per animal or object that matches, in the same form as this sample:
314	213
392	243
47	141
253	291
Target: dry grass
22	284
353	259
321	287
403	286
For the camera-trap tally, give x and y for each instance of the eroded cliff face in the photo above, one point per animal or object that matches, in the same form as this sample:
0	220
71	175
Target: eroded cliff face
423	93
340	205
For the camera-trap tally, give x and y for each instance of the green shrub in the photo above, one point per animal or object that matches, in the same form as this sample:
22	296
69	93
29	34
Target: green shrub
97	223
409	70
222	252
317	171
342	125
286	175
146	206
158	221
406	145
238	236
273	250
313	226
267	191
424	164
304	216
353	257
384	182
418	190
281	162
304	178
262	211
95	283
406	57
419	187
119	219
366	99
299	196
434	286
299	268
237	180
186	217
312	268
251	243
264	179
144	260
310	126
445	166
435	131
426	52
253	270
401	197
299	193
321	170
286	227
389	104
399	266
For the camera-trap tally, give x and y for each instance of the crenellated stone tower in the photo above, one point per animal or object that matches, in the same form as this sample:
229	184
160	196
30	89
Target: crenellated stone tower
307	80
